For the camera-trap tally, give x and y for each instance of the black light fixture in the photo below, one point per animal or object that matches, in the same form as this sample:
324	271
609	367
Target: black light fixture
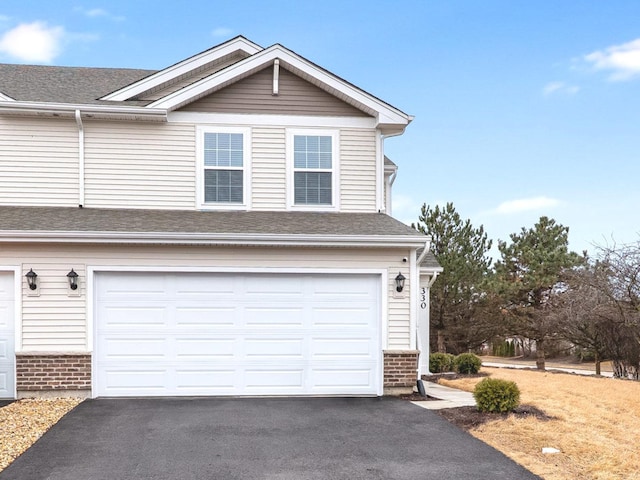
73	280
31	279
400	282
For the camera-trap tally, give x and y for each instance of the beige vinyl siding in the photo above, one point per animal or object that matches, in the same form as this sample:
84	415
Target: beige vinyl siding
268	168
254	95
358	170
55	321
38	161
140	165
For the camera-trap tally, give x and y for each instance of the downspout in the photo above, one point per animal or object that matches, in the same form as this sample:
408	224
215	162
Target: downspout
387	203
80	159
389	183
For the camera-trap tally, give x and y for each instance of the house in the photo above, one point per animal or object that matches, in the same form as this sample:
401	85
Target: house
218	227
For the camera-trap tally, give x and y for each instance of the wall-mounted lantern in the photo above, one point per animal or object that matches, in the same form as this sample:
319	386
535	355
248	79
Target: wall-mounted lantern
31	279
400	282
72	276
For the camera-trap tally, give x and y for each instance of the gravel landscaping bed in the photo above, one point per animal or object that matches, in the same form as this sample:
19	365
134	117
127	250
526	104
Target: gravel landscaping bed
23	422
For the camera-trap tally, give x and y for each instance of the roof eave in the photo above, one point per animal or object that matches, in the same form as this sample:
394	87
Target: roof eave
92	111
277	240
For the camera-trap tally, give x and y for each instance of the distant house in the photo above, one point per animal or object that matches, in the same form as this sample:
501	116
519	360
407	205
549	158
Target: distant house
218	227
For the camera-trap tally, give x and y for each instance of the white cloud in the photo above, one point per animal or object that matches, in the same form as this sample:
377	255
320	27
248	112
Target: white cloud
32	42
525	205
221	32
623	61
99	12
559	88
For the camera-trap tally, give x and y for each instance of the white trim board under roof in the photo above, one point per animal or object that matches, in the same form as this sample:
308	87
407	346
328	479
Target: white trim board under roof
182	68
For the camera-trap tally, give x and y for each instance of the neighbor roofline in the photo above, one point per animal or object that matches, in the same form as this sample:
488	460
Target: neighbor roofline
183	67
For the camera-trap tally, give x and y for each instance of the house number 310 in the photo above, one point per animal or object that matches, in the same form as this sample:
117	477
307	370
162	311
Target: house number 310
423	298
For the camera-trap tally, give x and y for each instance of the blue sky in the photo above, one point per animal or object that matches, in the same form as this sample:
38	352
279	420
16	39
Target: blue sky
522	109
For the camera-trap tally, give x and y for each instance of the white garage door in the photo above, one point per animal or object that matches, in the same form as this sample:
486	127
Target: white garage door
7	355
237	334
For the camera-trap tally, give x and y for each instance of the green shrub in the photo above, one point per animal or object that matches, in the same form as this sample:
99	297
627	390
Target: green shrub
467	363
497	396
441	362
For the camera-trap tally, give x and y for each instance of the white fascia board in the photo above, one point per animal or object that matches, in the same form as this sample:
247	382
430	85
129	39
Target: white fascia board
302	121
392	241
70	109
183	68
386	114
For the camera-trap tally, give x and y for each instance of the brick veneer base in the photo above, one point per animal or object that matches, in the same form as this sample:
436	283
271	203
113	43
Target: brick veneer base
53	371
400	370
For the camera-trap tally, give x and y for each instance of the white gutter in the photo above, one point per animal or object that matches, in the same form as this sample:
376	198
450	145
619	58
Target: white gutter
427	248
158	114
212	239
80	158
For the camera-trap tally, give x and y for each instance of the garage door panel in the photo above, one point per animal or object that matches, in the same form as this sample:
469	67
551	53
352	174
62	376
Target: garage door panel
274	380
133	317
270	348
4	350
194	349
284	285
208	381
140	348
337	287
340	379
272	316
343	316
115	286
143	381
342	348
268	334
202	316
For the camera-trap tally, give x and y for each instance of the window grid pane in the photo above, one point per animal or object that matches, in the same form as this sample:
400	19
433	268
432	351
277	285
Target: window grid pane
312	151
312	188
223	149
223	186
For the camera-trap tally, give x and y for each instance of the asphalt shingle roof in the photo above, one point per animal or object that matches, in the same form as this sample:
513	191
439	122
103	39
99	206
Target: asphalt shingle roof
70	219
76	85
429	261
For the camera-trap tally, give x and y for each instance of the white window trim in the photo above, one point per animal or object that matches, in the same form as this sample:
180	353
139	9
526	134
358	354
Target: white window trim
335	170
246	168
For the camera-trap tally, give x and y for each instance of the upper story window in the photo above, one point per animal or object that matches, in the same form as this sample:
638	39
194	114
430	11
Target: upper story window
223	155
312	163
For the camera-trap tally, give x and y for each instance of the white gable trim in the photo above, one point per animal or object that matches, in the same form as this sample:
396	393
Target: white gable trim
184	67
384	113
6	98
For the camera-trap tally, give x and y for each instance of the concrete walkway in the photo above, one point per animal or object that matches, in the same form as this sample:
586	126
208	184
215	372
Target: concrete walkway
447	397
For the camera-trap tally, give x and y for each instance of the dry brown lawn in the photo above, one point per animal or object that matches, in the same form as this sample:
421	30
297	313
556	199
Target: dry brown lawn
596	425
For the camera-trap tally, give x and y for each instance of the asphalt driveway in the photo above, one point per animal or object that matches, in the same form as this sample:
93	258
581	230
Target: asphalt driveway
257	438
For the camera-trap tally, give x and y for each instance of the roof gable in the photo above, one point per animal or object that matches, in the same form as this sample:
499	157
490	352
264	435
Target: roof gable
254	94
257	59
